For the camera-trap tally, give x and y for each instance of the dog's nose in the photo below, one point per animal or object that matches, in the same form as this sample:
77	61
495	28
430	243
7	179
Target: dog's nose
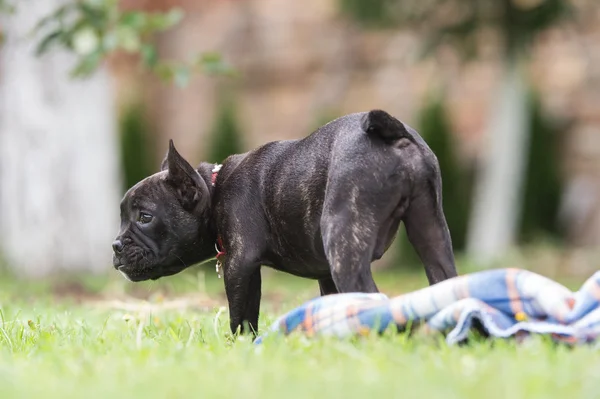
117	246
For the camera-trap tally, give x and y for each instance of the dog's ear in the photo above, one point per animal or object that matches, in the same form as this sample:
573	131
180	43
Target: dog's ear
164	165
189	186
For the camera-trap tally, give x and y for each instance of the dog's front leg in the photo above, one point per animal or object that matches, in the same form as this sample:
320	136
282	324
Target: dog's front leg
253	304
243	289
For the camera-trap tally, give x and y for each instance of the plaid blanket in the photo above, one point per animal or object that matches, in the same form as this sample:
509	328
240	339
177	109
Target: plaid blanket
504	302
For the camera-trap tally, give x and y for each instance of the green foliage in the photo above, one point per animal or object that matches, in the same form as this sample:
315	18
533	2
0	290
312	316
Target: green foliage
136	147
95	29
459	22
543	184
516	22
370	13
225	137
434	127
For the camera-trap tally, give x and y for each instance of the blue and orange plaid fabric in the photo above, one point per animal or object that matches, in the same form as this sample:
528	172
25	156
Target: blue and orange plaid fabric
505	302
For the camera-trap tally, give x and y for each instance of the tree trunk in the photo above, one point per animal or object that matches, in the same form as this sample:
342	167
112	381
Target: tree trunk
498	194
59	177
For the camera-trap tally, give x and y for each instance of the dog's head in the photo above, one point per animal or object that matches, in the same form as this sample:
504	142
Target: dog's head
164	222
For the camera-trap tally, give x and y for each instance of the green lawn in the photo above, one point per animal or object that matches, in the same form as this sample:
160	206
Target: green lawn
91	339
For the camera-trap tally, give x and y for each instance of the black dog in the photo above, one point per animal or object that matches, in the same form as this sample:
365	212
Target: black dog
323	207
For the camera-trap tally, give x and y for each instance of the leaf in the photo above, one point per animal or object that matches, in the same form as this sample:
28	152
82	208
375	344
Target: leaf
164	71
212	63
128	38
160	22
96	16
149	55
210	57
102	3
85	41
56	16
95	28
87	65
47	41
134	19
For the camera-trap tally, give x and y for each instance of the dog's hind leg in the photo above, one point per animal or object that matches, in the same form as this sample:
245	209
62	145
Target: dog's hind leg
349	240
327	286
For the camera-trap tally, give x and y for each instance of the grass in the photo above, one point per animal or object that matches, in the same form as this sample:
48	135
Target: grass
90	338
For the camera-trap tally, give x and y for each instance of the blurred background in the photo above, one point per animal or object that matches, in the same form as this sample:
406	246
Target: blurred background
505	92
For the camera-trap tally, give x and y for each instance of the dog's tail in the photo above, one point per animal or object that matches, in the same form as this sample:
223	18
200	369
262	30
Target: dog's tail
381	124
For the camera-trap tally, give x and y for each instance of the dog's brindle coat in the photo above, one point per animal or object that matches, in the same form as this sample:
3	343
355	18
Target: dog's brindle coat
323	207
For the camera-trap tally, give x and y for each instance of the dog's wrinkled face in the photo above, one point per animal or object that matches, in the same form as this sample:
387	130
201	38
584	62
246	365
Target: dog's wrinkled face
163	221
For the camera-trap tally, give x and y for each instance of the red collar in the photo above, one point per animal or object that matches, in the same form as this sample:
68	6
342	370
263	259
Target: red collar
219	244
220	253
220	248
215	172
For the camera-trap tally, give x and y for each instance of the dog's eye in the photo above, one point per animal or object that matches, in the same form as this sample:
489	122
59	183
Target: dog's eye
403	142
144	218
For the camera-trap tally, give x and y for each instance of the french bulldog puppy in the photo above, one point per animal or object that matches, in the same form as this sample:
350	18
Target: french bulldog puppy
323	207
